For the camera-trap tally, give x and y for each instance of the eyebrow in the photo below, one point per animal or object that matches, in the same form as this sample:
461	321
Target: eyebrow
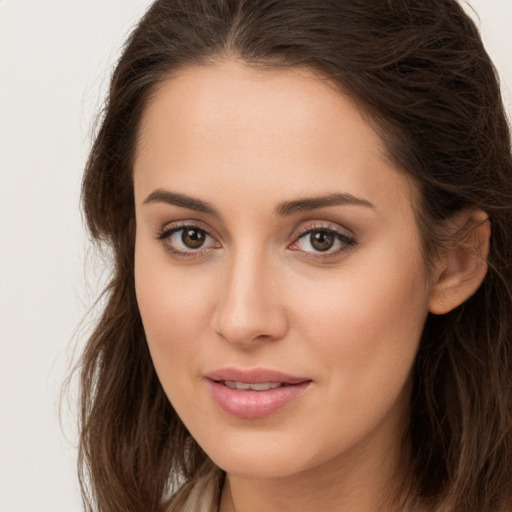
284	209
314	203
165	196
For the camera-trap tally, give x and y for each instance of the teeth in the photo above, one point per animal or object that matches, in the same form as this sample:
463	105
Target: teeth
243	386
264	386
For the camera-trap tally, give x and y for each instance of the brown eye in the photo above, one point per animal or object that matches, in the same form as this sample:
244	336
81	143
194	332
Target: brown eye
193	238
188	241
322	240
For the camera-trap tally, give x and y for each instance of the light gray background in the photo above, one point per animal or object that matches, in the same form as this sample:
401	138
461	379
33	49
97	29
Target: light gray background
55	60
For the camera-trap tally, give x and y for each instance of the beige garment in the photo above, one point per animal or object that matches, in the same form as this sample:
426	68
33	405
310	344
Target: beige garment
202	494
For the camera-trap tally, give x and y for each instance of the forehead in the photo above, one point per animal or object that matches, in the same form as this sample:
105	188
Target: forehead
259	131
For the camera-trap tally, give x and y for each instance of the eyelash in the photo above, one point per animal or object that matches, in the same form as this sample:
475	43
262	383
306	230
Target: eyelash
347	242
167	232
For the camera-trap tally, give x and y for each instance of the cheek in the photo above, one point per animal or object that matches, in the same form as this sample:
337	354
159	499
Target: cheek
367	325
174	306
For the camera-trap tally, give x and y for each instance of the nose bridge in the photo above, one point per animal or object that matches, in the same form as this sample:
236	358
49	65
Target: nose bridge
248	307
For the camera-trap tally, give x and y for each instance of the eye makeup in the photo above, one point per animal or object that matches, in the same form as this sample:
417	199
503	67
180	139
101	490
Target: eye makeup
320	241
187	239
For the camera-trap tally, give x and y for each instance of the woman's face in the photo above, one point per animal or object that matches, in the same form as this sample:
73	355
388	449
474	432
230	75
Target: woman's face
278	270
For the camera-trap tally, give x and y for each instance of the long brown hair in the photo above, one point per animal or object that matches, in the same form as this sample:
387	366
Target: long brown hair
419	70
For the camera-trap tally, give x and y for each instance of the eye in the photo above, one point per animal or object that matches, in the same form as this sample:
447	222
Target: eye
322	240
191	238
187	240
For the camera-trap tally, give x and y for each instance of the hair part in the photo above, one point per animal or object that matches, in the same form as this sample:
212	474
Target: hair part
419	71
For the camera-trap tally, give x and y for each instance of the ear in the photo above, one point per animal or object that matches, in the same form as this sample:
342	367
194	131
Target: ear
462	268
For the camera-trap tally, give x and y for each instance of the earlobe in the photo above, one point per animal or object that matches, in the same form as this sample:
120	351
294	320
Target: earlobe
463	267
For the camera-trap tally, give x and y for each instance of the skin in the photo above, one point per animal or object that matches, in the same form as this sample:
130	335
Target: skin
258	295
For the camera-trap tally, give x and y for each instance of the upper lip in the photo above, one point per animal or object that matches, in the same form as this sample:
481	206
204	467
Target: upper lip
254	376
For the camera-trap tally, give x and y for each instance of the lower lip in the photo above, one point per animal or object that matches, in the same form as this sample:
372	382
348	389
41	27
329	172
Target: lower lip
250	404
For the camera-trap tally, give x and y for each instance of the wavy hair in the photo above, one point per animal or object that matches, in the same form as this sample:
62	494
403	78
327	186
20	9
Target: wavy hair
419	71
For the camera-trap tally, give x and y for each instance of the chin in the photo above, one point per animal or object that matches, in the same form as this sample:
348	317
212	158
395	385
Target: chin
261	455
254	465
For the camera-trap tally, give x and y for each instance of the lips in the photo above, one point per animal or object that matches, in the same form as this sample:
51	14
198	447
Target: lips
254	393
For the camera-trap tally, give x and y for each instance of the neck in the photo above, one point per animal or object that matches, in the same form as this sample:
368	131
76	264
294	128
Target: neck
343	486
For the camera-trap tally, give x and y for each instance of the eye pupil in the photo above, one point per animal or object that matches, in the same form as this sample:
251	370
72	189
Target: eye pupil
193	238
322	240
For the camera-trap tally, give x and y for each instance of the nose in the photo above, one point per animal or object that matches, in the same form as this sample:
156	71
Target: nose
249	308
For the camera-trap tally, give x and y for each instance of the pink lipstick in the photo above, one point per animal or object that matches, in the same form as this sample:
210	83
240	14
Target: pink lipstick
252	394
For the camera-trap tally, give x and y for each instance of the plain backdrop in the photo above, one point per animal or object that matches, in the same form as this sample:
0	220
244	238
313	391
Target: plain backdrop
55	61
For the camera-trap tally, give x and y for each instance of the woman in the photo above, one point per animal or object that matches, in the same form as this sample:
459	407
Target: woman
307	311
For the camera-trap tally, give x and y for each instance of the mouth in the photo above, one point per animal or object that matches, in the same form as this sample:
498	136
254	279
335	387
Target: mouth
255	393
233	377
245	386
